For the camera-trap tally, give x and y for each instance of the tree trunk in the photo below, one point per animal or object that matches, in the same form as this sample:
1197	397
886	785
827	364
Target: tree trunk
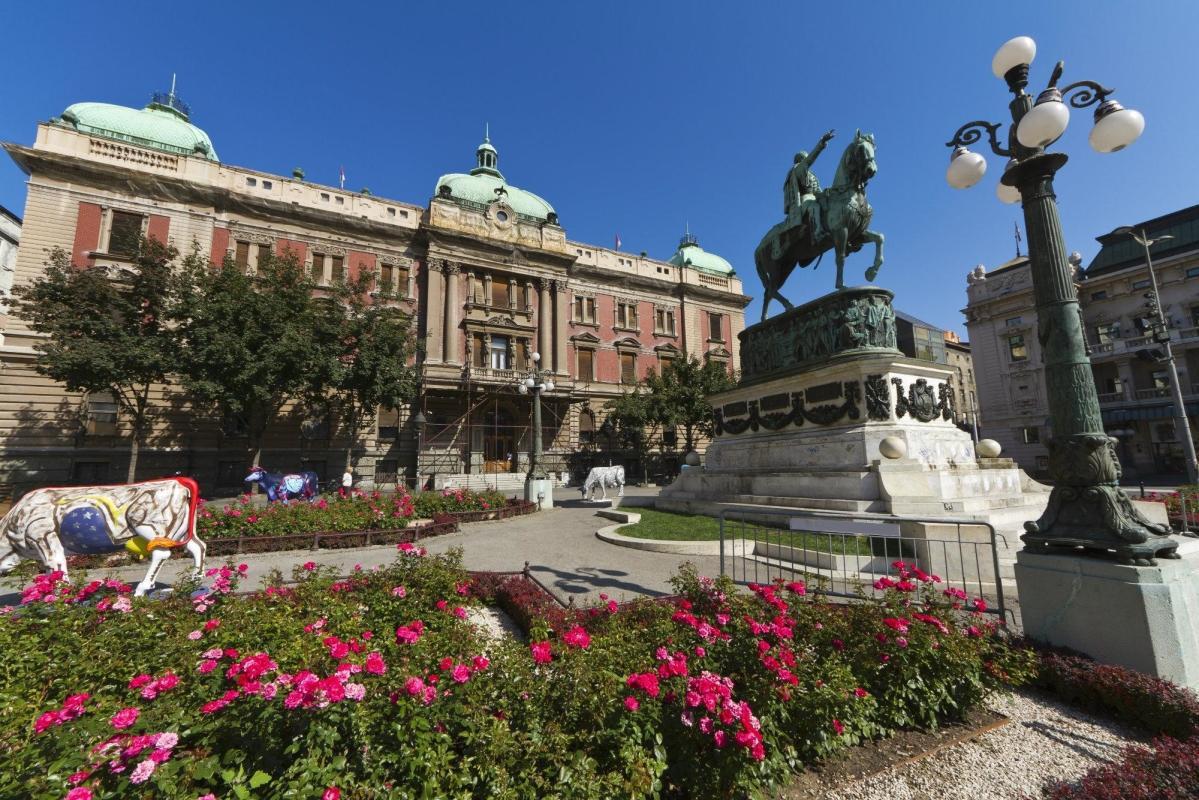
135	447
255	456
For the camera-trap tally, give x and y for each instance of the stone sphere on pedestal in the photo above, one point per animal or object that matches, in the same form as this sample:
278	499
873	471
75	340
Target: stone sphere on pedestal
893	447
988	448
691	459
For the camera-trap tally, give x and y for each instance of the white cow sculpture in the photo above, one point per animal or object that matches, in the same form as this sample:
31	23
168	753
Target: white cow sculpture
604	478
151	517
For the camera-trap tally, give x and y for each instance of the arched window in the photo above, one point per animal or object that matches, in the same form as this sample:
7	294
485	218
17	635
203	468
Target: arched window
586	427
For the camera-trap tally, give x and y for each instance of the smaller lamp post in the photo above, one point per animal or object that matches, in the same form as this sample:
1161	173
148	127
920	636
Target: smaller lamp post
1161	335
418	425
538	487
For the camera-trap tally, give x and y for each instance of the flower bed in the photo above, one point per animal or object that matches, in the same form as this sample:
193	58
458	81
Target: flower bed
1169	768
454	500
377	684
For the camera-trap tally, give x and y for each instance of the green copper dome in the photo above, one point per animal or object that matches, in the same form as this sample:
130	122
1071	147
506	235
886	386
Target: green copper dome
485	185
690	254
162	125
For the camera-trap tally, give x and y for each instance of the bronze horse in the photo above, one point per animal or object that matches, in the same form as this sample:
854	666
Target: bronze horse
846	216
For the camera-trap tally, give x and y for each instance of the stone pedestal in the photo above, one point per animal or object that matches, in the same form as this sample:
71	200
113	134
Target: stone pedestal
543	487
1146	618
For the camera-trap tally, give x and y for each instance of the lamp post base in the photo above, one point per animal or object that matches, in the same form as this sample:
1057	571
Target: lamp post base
1098	519
540	491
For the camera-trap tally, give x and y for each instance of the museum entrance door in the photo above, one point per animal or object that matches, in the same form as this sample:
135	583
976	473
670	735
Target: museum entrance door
499	441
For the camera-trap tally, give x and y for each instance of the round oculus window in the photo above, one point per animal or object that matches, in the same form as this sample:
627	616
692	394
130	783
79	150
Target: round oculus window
502	216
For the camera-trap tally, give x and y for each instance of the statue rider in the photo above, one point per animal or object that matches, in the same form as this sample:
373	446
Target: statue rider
800	203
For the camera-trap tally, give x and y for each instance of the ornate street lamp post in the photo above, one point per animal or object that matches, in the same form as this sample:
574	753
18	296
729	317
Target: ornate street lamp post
1161	335
1087	508
538	487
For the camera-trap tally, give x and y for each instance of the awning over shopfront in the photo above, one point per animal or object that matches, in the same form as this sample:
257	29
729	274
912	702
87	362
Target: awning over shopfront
1116	415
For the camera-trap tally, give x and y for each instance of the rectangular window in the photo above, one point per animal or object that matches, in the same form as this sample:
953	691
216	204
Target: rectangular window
628	368
1012	322
584	308
251	182
267	185
124	234
626	316
386	278
716	327
337	269
1142	284
264	255
1016	348
386	471
1031	435
665	361
670	437
241	255
1195	316
1193	272
586	370
101	414
401	281
1101	295
499	292
388	423
1107	332
318	267
479	349
499	352
1161	379
664	322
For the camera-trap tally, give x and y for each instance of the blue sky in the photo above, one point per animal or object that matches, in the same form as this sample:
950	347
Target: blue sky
639	117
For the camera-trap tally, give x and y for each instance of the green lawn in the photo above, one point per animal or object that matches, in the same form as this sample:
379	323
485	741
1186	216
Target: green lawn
698	528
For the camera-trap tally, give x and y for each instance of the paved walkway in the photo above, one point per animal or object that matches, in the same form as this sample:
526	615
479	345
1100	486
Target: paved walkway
560	546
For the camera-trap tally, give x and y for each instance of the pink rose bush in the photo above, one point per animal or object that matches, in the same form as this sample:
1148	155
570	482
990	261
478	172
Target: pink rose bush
344	687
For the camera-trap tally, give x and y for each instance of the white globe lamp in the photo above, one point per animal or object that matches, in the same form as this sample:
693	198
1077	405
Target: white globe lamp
1013	53
966	168
1116	127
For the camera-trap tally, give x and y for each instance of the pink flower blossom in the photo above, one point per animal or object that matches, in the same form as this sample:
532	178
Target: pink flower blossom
577	637
142	772
355	691
78	777
124	718
460	612
166	741
194	635
631	703
79	793
460	673
838	727
206	666
308	566
481	663
375	664
332	793
209	796
399	591
541	652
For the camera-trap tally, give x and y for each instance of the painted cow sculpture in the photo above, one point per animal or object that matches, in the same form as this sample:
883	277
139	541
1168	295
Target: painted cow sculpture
148	518
283	487
605	478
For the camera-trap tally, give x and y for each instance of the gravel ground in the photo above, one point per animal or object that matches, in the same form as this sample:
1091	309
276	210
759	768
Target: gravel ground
494	622
1045	740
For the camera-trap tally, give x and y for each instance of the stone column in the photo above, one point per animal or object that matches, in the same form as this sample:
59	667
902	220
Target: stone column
453	310
526	303
545	315
559	335
434	311
487	289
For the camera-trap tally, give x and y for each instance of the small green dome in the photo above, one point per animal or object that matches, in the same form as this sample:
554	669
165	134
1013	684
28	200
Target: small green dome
162	125
485	185
690	254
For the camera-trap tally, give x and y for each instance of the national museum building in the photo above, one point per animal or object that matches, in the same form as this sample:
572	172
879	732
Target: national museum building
485	268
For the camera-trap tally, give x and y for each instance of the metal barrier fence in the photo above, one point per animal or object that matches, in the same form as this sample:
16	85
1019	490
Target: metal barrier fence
847	553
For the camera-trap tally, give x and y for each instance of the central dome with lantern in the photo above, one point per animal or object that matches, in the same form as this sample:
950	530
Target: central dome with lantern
164	124
485	185
690	254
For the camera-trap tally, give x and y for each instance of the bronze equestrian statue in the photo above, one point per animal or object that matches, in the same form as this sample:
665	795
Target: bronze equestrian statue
817	220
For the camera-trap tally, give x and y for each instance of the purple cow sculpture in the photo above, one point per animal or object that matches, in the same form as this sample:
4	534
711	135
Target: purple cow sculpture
280	487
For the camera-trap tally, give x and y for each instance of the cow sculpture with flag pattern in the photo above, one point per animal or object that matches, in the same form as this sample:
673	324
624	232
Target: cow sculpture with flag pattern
151	518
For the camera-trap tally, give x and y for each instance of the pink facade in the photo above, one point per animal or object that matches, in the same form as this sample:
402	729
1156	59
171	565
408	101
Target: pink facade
87	235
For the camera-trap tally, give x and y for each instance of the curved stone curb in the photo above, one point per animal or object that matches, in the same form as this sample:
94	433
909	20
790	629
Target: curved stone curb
609	534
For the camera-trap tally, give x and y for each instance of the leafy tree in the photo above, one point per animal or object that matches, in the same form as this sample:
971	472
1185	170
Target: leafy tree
635	416
249	344
679	395
105	329
373	343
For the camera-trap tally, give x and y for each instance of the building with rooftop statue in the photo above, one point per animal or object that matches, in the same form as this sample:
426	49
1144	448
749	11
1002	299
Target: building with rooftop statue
485	268
1133	384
